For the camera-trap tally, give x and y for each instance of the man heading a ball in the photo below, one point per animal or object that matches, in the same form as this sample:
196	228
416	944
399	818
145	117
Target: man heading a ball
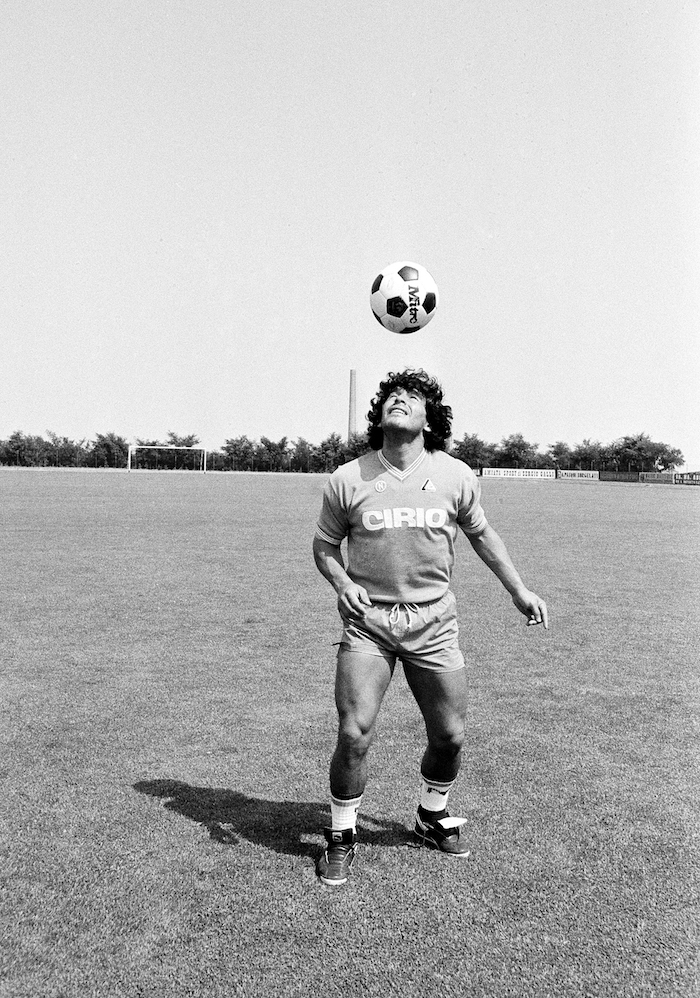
400	508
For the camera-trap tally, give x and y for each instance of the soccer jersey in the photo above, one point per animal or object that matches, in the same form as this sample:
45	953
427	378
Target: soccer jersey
401	526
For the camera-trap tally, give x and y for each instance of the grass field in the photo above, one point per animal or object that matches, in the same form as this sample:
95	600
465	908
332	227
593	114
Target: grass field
167	720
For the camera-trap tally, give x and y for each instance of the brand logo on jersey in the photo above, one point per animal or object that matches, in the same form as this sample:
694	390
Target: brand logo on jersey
403	516
380	486
428	486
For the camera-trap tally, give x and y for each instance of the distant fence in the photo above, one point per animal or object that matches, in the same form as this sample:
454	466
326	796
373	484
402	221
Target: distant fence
665	477
619	476
579	476
518	473
658	477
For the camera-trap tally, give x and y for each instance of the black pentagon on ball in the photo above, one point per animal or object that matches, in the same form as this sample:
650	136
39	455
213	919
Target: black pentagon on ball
396	307
377	282
408	274
429	302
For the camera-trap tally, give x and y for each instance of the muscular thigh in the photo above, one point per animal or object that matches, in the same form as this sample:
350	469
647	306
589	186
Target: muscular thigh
441	696
360	684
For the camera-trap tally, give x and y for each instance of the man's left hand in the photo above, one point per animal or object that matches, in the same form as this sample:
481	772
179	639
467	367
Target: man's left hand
532	607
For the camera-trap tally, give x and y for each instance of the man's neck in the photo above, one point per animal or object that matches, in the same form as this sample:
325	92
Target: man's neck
401	453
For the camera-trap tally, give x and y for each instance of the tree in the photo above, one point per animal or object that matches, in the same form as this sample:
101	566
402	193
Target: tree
66	453
667	458
240	452
151	460
639	453
560	454
356	445
635	452
474	452
301	456
176	440
25	451
15	448
183	460
8	449
35	452
272	456
589	455
516	452
331	453
109	451
216	460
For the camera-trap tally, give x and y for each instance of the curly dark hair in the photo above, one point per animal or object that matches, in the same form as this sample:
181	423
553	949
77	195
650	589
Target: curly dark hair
439	429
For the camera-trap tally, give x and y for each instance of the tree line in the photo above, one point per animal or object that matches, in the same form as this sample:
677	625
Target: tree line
109	450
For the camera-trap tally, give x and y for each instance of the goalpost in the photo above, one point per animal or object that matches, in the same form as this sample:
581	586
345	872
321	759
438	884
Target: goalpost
199	464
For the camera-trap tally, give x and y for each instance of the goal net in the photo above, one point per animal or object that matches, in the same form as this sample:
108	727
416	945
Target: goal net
151	457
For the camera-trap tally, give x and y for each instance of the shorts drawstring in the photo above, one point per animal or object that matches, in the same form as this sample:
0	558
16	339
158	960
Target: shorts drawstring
395	615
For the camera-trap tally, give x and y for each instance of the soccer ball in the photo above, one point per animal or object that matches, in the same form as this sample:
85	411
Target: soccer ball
404	297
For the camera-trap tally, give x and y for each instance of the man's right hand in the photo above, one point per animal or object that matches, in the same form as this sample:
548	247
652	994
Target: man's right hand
353	602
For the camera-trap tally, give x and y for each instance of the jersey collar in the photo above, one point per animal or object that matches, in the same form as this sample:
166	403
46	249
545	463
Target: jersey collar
402	475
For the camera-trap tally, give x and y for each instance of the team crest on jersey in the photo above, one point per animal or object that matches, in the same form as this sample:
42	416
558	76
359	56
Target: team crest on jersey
428	486
380	486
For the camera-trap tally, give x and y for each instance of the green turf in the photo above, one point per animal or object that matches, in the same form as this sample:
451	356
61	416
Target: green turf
167	719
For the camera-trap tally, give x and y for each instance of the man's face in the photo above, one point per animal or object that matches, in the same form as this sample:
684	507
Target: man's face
404	410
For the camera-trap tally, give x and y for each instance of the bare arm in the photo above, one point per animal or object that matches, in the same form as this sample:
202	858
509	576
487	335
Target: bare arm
352	599
492	551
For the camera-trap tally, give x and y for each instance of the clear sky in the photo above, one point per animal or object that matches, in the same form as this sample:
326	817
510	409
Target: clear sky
197	194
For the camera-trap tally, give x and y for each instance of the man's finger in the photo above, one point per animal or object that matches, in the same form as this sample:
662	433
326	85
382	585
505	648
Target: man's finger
355	602
539	616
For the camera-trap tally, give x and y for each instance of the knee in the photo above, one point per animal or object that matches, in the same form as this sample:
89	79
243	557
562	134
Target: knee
448	741
354	737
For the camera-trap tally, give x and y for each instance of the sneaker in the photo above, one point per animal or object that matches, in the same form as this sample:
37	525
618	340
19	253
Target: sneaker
443	834
336	861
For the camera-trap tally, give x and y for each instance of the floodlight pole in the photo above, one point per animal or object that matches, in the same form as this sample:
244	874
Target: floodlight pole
352	406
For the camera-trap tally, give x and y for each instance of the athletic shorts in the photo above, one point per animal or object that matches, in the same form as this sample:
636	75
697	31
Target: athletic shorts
421	634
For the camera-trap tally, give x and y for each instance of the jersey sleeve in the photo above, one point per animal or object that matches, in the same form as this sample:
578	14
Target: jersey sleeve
470	515
332	523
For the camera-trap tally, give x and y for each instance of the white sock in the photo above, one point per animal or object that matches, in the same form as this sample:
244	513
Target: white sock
433	795
344	813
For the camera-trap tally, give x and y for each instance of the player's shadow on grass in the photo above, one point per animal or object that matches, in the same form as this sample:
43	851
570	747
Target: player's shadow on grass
283	826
